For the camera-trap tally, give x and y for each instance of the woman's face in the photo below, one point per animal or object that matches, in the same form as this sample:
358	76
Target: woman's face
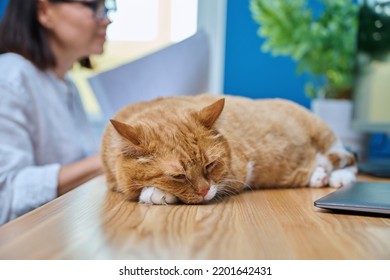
73	28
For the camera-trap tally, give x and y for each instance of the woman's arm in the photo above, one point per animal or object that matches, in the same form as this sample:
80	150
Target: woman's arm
75	174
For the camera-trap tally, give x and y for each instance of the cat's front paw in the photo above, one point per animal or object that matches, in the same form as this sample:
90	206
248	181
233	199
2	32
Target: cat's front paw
153	195
319	178
342	177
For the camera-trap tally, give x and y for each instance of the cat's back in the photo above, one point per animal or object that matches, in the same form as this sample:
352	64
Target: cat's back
274	114
240	113
279	126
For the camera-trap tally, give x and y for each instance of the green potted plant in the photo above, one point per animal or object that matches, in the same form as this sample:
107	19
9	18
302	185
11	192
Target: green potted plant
322	44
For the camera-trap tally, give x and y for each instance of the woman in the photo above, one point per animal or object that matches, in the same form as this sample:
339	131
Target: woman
46	146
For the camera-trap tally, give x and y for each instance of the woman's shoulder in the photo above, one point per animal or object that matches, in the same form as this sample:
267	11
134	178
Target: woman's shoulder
14	60
14	66
18	73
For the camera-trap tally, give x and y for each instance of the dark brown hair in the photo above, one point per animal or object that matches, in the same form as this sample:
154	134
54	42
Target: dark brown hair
21	33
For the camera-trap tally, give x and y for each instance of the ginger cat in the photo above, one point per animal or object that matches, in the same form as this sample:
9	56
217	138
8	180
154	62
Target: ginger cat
194	149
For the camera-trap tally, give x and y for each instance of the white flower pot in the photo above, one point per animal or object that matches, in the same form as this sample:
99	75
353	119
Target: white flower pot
338	115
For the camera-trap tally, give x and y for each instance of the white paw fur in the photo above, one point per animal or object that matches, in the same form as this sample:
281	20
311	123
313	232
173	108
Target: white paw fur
153	195
342	177
319	177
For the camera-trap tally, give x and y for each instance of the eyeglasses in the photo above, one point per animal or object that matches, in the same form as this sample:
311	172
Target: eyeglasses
100	8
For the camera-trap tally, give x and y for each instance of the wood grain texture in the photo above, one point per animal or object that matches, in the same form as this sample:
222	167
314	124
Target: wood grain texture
94	223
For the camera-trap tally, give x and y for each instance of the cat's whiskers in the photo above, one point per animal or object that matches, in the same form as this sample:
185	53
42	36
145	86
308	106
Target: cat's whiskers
222	192
218	198
229	181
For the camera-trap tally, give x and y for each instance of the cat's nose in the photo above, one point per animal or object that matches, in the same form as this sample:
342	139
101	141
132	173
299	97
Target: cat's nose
204	192
203	187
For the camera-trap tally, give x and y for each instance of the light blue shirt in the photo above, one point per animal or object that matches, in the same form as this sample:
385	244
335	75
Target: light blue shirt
42	126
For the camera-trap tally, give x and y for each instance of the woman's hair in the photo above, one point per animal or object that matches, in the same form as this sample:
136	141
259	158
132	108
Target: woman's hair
21	33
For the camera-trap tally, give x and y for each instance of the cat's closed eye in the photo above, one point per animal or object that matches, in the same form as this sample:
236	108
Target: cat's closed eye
211	165
179	177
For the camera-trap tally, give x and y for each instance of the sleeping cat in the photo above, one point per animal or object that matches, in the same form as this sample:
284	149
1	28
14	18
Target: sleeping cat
194	149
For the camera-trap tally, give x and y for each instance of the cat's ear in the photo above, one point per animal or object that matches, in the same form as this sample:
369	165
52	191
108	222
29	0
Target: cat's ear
210	114
132	135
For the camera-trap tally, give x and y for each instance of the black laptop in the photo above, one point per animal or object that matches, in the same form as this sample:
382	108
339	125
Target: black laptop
370	197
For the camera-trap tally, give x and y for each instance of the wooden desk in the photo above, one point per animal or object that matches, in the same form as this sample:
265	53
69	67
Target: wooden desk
93	223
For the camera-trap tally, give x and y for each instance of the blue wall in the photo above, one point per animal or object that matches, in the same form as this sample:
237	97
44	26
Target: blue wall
250	72
3	5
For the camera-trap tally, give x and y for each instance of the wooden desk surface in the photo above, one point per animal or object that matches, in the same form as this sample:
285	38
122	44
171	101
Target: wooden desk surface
93	223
